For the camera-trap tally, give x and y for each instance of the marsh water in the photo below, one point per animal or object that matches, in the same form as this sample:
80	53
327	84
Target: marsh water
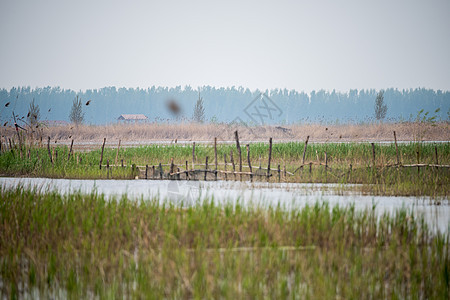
286	195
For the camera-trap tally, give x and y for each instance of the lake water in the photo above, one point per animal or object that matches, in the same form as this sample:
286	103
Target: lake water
288	195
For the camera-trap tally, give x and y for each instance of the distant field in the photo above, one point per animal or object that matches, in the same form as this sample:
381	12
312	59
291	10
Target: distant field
149	133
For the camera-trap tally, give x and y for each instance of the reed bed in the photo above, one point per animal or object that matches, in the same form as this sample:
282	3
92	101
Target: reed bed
84	246
346	163
406	131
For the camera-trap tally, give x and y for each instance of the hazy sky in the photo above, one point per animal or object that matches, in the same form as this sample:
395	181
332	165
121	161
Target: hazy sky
302	45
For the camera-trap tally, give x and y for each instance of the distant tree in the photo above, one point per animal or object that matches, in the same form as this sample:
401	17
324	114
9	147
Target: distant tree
34	114
76	113
380	107
199	111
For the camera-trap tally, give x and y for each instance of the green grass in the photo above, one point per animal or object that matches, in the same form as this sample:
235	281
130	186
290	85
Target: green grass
80	246
386	181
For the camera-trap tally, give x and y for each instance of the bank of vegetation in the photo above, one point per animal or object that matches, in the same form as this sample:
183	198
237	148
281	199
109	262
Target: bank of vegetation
409	169
81	246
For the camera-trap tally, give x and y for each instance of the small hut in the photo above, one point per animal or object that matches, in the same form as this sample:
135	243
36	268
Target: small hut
132	118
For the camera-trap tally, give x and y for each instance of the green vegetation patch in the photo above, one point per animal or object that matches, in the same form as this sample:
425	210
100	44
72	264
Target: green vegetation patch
79	246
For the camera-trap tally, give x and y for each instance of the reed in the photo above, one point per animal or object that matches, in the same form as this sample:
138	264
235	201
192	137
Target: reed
406	131
78	246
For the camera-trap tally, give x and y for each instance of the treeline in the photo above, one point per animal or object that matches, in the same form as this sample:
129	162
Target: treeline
225	104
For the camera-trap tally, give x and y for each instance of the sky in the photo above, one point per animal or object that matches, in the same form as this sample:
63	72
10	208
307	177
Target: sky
301	45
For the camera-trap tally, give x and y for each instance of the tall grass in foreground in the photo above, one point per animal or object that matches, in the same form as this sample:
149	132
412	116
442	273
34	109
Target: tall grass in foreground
79	246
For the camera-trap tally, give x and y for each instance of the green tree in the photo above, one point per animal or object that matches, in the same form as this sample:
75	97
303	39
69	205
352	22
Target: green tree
76	113
380	107
34	114
199	110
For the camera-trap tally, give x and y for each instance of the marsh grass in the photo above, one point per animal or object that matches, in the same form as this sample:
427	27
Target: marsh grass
82	246
406	131
380	180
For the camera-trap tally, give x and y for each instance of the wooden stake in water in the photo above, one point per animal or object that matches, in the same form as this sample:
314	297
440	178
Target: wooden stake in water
436	154
215	157
172	166
396	148
373	154
232	163
304	150
48	148
101	156
187	171
160	171
239	152
70	151
107	168
249	162
146	171
225	161
193	156
206	167
270	157
279	173
117	153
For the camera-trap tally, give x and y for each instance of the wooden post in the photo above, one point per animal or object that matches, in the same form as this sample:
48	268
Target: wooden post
146	171
121	162
48	148
160	171
153	172
232	163
11	148
436	155
326	162
239	152
284	172
101	156
134	170
396	148
249	162
206	167
193	157
418	161
215	157
350	173
178	175
279	173
172	166
56	155
304	150
270	158
187	171
310	168
70	151
107	168
225	160
373	154
117	153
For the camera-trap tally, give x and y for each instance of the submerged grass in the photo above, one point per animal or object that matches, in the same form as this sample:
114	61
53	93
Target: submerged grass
78	246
